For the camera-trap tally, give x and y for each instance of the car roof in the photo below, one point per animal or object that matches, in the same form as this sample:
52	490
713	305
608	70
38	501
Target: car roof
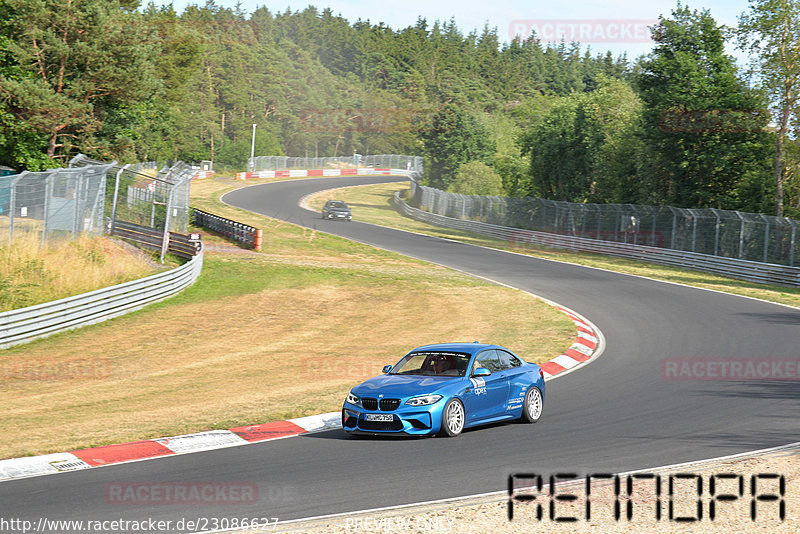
469	348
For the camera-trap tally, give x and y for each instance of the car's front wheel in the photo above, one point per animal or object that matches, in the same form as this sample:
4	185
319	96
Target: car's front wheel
532	409
453	418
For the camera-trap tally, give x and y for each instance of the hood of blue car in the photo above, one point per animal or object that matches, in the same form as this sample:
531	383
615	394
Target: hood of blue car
402	385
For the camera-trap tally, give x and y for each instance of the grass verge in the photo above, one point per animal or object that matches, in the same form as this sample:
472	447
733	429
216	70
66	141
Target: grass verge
32	273
259	337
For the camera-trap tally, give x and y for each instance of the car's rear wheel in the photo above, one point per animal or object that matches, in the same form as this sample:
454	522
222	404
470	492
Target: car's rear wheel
532	409
453	418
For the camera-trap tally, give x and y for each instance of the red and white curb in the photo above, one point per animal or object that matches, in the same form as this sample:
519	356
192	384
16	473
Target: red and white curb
584	349
155	448
312	173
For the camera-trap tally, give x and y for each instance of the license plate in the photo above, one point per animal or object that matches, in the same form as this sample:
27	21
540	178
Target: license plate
378	417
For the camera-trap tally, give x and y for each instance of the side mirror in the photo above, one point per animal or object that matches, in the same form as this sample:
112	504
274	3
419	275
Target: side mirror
481	371
387	368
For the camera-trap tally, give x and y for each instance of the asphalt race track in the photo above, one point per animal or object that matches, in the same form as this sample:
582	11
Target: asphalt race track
616	414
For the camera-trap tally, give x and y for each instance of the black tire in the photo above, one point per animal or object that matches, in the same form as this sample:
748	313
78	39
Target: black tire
453	418
533	405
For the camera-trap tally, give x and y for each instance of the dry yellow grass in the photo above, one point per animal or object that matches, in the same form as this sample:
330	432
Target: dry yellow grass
246	359
32	273
260	337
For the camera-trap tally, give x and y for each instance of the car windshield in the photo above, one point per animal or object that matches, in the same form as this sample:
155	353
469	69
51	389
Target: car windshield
434	363
338	205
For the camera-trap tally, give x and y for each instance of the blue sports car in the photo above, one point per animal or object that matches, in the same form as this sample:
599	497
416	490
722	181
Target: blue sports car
445	388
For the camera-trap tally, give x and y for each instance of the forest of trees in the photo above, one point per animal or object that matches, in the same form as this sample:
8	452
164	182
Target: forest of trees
683	125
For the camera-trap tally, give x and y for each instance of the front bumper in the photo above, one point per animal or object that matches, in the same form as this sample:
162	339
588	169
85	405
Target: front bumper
338	216
413	421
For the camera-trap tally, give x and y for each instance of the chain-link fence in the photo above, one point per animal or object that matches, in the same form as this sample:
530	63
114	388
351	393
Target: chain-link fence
151	197
381	161
90	196
53	203
730	234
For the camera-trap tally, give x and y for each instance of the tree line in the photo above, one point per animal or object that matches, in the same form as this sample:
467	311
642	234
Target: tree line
682	125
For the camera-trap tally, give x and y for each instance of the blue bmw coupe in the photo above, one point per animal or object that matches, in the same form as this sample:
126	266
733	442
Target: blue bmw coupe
445	388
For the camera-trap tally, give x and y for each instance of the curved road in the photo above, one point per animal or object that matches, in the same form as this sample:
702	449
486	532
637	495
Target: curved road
617	414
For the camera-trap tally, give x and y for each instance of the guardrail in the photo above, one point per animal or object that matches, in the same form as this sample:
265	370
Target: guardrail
766	273
152	238
42	320
243	233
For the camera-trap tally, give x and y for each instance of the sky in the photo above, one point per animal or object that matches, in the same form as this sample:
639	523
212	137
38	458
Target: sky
616	25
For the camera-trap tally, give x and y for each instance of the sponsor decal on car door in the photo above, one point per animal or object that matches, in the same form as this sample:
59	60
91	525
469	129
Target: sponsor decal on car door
518	383
488	394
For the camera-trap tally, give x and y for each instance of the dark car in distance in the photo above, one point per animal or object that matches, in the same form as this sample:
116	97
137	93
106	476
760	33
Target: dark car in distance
336	210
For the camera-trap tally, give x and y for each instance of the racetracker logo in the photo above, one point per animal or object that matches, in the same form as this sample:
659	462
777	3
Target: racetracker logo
729	369
74	369
375	120
399	524
181	493
340	367
583	30
713	120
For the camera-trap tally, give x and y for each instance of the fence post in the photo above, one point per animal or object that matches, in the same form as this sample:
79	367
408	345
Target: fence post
599	218
12	204
791	249
48	191
674	225
741	234
583	220
635	221
571	217
99	202
79	192
165	238
653	230
116	196
766	236
555	220
716	232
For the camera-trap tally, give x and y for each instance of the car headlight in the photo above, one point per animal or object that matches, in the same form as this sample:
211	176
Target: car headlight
353	399
424	400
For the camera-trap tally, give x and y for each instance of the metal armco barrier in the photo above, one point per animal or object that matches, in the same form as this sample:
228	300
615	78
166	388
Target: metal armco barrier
243	233
153	238
765	273
42	320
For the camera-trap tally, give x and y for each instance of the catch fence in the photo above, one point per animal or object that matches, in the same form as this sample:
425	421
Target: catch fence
722	233
91	196
389	161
